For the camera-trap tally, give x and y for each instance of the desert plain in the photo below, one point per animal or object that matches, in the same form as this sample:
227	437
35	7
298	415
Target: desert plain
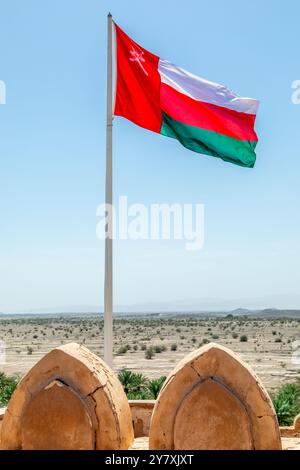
269	345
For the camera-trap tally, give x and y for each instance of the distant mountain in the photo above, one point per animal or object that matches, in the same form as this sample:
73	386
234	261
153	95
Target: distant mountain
275	312
239	312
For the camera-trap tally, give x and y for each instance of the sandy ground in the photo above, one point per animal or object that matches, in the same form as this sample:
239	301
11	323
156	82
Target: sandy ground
142	443
269	349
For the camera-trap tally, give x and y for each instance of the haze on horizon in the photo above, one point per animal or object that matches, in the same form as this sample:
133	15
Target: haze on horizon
52	147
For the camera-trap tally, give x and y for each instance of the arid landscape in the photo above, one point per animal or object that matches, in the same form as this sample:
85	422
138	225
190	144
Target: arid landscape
153	344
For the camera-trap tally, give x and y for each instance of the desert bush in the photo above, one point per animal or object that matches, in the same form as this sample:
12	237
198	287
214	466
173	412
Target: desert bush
149	353
7	387
278	340
123	349
244	339
29	350
215	336
159	348
234	335
173	347
287	403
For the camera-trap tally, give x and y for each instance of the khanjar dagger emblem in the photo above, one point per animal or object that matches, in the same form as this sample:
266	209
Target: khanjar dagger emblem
137	56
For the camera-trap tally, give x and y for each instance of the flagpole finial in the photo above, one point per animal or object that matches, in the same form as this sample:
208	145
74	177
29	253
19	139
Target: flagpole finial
109	14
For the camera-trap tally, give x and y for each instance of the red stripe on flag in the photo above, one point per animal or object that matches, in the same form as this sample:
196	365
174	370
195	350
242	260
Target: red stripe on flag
207	116
138	84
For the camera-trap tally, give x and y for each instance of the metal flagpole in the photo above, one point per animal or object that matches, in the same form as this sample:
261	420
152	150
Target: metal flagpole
108	282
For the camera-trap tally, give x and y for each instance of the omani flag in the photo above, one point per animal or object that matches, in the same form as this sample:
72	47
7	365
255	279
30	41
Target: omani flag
203	116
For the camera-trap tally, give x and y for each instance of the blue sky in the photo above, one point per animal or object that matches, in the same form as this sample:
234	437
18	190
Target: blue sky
52	149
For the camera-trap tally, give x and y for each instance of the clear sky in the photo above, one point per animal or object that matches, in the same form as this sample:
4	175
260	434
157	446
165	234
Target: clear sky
52	150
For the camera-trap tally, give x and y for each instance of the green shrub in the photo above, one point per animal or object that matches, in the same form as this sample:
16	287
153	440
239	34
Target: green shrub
142	395
287	403
155	385
132	383
123	349
244	339
138	387
173	347
149	353
7	387
234	335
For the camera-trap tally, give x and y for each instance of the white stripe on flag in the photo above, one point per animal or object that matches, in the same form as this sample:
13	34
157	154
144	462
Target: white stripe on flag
203	90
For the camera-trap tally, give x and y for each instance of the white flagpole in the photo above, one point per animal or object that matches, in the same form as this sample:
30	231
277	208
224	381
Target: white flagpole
108	282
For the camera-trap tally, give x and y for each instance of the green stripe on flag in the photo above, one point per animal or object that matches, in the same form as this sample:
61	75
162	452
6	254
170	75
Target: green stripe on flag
229	149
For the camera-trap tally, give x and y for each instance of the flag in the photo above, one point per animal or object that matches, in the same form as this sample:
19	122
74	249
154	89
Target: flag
203	116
